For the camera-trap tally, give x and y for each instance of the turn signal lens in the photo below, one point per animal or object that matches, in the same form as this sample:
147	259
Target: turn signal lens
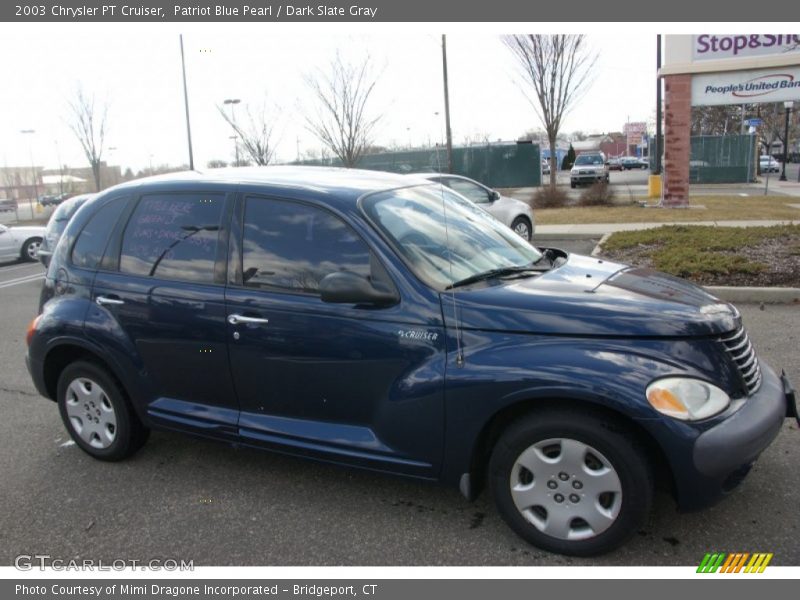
686	399
32	329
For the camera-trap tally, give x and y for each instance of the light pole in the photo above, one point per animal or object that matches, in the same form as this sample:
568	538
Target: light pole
33	168
233	102
788	106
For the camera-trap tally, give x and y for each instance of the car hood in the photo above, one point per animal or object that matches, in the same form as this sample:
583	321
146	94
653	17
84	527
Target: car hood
594	297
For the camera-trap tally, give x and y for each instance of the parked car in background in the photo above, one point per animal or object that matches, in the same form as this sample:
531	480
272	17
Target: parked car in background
588	168
545	167
513	213
7	205
20	243
614	164
380	321
633	162
768	164
55	226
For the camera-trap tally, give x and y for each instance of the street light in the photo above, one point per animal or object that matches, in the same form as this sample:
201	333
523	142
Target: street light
788	106
233	102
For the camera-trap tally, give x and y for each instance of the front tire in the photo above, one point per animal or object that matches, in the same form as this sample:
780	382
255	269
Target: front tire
570	482
97	414
30	249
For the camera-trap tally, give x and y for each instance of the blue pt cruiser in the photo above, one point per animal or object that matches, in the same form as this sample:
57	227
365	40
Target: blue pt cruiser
384	322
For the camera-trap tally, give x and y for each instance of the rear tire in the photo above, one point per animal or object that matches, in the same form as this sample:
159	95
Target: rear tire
522	227
571	482
97	414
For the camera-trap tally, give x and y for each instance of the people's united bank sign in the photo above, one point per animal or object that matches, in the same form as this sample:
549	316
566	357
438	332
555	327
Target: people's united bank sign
746	87
736	68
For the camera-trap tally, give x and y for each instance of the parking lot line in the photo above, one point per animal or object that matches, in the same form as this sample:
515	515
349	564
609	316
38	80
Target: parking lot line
21	280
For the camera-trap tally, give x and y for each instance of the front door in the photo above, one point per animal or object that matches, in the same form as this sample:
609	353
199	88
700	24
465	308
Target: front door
335	381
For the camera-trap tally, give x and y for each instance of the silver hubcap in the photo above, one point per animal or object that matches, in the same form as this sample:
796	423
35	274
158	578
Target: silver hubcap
566	489
33	249
90	413
521	229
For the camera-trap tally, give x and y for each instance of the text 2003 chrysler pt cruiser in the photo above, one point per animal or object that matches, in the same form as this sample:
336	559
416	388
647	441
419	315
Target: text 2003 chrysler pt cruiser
376	321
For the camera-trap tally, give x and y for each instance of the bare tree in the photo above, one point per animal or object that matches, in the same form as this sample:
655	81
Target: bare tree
556	70
254	134
88	123
342	122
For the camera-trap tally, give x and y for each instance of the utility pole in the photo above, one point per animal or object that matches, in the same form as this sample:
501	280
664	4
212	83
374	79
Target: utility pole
233	102
657	168
448	133
186	105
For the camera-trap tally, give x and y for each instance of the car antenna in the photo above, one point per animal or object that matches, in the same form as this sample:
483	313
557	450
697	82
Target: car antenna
459	353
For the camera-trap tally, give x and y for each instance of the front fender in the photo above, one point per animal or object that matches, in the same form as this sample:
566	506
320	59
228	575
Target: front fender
503	370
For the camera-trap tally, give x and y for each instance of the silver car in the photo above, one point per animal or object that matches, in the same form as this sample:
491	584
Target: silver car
513	213
20	243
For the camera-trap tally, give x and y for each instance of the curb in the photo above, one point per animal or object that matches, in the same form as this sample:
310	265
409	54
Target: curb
560	236
599	247
765	295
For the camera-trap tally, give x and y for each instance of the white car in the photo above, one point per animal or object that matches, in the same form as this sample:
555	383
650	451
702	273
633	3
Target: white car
769	164
513	213
589	168
20	243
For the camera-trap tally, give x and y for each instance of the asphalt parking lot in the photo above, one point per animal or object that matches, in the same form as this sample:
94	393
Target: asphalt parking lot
217	505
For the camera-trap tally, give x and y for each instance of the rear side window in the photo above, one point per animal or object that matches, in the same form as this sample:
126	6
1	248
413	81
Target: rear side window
291	247
91	243
173	236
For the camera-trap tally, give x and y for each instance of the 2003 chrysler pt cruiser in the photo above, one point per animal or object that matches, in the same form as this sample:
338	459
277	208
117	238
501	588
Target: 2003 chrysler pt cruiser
382	322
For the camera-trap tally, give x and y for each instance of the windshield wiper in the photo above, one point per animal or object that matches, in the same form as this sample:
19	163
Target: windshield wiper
491	273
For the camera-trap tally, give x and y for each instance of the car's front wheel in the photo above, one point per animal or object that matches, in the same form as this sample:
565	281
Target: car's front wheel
571	482
522	227
30	249
97	415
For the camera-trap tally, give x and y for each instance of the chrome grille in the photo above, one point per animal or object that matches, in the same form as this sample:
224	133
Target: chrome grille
741	351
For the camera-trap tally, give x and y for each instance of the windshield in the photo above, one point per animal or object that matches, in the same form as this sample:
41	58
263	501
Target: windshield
474	241
589	159
67	208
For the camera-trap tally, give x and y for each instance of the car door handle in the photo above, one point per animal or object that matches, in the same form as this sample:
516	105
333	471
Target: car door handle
236	319
104	300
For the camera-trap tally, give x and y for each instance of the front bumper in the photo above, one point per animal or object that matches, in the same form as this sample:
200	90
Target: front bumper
723	454
587	177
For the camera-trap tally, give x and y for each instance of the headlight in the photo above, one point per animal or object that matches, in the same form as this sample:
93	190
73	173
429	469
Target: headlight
686	399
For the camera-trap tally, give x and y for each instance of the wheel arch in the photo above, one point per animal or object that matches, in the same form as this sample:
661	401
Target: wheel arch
62	355
500	420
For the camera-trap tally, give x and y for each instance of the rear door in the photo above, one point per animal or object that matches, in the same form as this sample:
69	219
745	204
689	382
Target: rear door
354	384
166	295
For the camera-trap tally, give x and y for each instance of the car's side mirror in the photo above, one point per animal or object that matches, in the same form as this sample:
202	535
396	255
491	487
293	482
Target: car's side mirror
494	196
343	287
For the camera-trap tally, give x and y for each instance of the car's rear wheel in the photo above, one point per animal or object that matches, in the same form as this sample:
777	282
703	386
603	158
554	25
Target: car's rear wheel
522	227
30	249
96	413
571	482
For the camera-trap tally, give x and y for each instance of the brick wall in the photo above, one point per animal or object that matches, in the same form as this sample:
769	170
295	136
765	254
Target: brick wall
677	143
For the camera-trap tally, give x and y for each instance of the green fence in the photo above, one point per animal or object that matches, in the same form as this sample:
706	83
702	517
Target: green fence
719	158
496	165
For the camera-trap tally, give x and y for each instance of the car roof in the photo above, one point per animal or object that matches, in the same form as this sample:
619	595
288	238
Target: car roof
329	182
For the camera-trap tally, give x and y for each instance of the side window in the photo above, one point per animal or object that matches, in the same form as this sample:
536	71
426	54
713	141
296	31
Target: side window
91	243
173	236
291	247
